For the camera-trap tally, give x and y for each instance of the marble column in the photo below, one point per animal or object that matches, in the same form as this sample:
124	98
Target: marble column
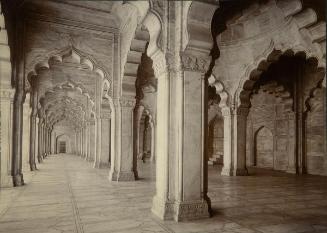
235	122
33	132
49	141
137	125
85	141
291	149
92	141
17	138
98	142
40	141
36	141
181	157
228	142
239	149
26	135
44	138
78	143
82	142
153	134
6	106
105	139
145	138
122	166
53	142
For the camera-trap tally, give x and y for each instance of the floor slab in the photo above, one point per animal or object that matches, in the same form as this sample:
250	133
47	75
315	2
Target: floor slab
67	195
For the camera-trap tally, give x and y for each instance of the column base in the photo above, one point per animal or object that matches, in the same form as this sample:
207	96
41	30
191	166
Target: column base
162	209
33	167
226	171
6	181
18	180
100	165
241	172
121	176
291	170
40	159
180	211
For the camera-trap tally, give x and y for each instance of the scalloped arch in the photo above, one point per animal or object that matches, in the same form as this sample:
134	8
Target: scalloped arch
74	87
220	90
261	64
75	54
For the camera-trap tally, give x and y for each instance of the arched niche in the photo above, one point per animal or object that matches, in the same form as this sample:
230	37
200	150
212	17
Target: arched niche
264	148
147	136
216	140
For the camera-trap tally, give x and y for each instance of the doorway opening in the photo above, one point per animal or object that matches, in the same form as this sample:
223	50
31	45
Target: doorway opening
62	147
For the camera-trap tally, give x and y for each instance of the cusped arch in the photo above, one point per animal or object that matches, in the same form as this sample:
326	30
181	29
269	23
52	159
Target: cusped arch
68	53
220	90
260	65
70	86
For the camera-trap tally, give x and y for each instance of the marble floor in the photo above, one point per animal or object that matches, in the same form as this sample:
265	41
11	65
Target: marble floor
67	195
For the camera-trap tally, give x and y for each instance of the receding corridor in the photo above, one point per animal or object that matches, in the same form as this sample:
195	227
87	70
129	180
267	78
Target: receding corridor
67	195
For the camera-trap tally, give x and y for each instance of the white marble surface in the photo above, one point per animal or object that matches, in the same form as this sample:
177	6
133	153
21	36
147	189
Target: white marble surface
67	195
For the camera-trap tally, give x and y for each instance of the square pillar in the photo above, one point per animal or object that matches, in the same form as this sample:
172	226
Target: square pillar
181	163
122	166
92	141
105	140
235	123
6	106
40	141
33	133
26	135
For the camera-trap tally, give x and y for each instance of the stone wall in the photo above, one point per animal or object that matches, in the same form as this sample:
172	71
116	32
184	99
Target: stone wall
316	135
65	133
270	133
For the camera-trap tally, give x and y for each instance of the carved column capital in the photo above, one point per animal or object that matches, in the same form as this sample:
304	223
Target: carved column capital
195	63
7	94
127	103
226	111
105	115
